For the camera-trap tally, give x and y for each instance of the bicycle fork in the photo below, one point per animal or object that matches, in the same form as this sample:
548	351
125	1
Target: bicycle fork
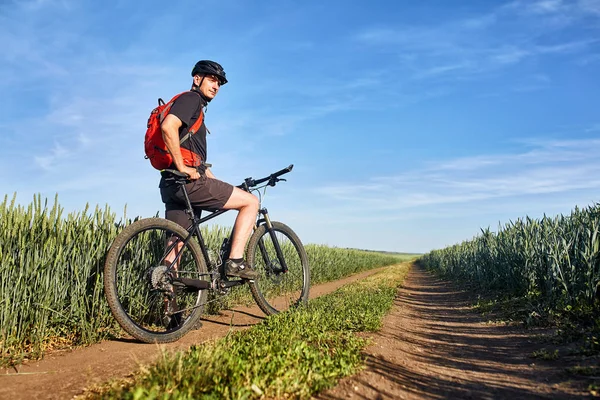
267	221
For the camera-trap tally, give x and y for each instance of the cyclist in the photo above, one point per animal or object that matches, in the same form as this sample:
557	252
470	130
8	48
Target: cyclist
204	190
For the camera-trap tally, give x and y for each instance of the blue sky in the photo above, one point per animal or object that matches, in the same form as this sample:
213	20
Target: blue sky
411	125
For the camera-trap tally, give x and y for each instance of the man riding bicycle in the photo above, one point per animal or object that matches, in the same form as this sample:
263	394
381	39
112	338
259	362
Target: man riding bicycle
204	190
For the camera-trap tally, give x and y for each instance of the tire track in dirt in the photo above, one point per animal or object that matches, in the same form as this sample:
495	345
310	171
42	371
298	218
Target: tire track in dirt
434	346
63	375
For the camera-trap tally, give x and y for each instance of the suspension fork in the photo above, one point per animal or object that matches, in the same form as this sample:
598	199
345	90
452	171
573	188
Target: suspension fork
267	221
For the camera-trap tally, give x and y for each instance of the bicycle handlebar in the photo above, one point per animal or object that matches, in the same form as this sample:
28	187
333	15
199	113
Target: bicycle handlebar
273	179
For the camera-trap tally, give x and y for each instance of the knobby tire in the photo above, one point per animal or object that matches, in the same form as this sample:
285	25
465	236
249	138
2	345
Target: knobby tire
137	305
275	291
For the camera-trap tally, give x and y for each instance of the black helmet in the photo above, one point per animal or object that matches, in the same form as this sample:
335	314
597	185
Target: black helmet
207	67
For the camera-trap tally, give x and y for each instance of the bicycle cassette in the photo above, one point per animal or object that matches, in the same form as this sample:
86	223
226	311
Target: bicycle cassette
160	278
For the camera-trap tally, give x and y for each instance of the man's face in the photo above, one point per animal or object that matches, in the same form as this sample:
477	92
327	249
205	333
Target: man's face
210	85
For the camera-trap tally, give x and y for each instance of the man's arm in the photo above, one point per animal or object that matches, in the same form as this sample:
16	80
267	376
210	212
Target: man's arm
170	132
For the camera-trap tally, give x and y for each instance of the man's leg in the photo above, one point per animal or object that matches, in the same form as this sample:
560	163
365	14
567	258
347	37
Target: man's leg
247	206
210	193
178	215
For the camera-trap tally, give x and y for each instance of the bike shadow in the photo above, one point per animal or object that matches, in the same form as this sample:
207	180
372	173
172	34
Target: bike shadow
226	317
125	340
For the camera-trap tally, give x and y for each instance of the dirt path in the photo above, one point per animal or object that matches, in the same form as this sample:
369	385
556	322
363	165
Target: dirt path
433	346
65	375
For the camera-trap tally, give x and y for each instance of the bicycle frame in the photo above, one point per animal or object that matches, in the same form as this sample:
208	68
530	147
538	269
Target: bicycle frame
194	229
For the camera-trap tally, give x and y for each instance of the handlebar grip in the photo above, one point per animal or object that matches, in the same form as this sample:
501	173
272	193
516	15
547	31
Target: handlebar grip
283	171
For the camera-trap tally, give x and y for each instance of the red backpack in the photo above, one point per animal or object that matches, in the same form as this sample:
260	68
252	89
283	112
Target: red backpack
154	144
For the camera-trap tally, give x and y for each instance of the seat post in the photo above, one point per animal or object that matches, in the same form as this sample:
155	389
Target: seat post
190	209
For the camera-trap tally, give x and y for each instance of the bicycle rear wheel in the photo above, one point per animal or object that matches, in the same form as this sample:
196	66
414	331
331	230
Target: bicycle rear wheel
139	286
276	290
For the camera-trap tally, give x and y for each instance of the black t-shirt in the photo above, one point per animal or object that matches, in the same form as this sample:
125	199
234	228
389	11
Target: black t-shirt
187	108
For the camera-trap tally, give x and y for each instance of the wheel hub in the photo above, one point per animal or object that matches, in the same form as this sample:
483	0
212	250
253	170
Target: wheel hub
275	272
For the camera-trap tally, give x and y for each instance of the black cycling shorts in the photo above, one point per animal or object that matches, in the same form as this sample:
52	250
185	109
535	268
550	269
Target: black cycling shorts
204	193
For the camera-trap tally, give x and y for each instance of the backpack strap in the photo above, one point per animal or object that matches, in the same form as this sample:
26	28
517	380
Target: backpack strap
196	124
167	109
194	127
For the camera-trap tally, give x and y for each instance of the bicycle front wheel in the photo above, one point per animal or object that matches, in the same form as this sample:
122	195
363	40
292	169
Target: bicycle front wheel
139	286
284	276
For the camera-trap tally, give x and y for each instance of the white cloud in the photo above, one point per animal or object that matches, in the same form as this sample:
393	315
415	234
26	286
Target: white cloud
590	6
551	167
554	13
459	49
47	162
546	6
480	22
567	47
593	128
37	5
443	69
509	55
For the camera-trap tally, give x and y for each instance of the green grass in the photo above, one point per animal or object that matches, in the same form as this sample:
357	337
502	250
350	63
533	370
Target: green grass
585	371
544	354
290	355
579	325
554	260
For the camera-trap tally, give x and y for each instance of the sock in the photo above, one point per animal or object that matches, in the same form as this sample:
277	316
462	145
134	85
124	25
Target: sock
237	260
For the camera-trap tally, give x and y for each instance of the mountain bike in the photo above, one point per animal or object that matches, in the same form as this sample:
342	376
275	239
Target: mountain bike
157	274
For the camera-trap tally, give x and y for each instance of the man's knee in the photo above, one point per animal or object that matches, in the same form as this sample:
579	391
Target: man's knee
240	199
253	201
250	201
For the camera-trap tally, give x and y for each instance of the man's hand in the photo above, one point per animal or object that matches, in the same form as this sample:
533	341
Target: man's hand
191	172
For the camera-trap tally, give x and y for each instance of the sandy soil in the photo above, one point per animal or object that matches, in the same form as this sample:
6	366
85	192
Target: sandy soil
434	346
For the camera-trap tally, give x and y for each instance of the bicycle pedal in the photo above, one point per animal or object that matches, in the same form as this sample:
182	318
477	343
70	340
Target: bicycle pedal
231	283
